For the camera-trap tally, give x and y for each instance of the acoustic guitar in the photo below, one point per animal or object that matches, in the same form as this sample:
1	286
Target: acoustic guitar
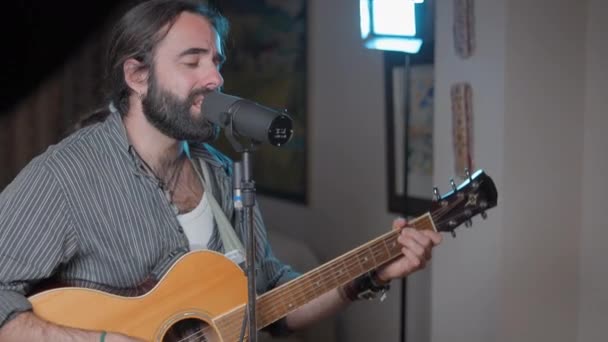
205	293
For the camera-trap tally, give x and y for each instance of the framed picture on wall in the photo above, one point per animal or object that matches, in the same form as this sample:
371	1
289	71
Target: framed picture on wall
409	174
266	63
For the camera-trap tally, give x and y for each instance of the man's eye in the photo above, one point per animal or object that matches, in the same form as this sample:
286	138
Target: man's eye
191	65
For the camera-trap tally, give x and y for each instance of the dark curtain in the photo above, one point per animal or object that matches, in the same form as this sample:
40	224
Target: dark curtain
49	112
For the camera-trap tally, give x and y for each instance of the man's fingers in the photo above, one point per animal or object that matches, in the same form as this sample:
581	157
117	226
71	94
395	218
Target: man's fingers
414	246
412	259
399	223
417	236
434	236
419	243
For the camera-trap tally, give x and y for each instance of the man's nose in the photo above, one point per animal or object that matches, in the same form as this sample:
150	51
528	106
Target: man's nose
214	79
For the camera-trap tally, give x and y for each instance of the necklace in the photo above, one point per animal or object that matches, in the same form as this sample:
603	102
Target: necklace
171	184
167	184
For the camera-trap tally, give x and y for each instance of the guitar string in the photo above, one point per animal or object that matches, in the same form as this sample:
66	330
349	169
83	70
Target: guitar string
202	332
314	289
372	250
307	292
352	263
288	293
312	286
308	289
443	210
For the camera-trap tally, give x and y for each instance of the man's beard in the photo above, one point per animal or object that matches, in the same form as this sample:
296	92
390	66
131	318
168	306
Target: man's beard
172	116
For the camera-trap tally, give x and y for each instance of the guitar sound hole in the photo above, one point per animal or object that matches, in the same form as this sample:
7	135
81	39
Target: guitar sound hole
189	330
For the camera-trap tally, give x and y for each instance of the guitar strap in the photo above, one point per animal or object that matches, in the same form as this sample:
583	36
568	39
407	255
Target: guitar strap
232	244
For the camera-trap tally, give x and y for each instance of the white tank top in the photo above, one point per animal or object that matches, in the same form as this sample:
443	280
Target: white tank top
198	224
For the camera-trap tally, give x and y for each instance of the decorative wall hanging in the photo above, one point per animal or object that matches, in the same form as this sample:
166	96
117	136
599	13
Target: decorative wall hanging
462	127
464	28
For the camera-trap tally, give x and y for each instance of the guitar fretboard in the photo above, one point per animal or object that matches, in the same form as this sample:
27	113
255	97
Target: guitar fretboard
279	302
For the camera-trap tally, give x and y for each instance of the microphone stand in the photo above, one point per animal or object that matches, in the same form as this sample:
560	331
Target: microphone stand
244	201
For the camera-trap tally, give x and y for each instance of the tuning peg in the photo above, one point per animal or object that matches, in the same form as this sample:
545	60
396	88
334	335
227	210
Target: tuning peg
436	194
484	215
468	223
453	234
475	185
453	184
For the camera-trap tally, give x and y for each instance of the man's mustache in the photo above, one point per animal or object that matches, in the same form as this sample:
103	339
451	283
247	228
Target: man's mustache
197	92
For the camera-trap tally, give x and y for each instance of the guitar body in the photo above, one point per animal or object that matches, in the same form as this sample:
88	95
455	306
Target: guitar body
200	287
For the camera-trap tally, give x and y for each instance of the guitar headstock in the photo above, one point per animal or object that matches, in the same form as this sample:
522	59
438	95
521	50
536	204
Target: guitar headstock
473	197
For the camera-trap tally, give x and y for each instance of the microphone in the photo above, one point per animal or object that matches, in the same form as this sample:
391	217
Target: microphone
247	118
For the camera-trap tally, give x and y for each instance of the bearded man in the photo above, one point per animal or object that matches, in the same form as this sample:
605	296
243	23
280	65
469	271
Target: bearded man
115	204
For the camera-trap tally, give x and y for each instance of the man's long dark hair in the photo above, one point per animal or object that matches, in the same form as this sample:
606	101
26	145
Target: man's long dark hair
137	34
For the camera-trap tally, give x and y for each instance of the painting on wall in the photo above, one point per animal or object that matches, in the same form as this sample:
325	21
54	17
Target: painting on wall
410	174
419	131
266	63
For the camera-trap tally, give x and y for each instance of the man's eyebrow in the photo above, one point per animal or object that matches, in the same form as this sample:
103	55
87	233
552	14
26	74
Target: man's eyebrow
219	58
194	51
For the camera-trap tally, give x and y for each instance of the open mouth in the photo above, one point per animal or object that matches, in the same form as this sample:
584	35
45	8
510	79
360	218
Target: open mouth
198	101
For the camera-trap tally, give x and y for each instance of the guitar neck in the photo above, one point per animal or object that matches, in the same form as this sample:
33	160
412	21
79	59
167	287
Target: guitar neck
279	302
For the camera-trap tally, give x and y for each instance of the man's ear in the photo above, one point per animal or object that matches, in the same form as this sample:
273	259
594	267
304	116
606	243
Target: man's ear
135	76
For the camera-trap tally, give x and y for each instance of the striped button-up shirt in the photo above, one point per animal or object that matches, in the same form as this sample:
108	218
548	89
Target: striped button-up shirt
86	213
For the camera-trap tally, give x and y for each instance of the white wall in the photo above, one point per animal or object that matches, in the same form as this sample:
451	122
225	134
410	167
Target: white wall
465	270
593	313
543	168
518	279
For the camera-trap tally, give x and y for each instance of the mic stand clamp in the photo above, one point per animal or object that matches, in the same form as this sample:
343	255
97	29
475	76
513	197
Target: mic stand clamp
244	201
